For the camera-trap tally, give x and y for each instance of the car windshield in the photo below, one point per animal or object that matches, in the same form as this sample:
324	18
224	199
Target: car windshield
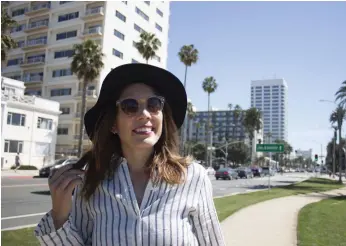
58	162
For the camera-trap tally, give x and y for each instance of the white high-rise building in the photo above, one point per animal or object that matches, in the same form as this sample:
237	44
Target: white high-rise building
46	34
270	96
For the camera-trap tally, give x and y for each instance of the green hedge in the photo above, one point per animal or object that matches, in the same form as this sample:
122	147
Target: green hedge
25	167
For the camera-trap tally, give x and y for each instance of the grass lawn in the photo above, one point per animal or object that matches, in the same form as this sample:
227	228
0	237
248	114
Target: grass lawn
323	223
225	206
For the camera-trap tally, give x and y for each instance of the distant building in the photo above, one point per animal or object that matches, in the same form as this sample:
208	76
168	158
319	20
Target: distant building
28	126
306	154
225	127
270	96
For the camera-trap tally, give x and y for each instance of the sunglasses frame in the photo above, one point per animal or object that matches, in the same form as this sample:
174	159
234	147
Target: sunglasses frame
162	99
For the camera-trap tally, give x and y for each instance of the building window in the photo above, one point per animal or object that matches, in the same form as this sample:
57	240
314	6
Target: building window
63	2
158	27
134	61
15	119
14	62
65	110
147	3
16	77
120	16
119	34
13	146
33	92
69	16
62	72
19	28
63	53
66	35
118	53
60	92
141	13
18	12
20	43
157	58
159	12
137	28
125	2
43	123
62	131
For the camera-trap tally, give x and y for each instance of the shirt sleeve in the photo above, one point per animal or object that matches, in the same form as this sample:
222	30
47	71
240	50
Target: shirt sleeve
77	230
205	220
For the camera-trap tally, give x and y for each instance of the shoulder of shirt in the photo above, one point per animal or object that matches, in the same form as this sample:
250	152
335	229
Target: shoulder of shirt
196	171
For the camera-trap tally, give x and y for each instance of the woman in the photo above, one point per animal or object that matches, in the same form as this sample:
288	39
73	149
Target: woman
135	189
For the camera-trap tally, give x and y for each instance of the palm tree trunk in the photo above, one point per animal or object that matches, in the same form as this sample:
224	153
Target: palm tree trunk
185	77
340	155
334	146
197	129
208	133
81	122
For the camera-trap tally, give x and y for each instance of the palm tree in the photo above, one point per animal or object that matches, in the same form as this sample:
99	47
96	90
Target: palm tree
236	114
209	86
252	122
188	55
338	116
148	45
7	42
86	64
341	94
191	114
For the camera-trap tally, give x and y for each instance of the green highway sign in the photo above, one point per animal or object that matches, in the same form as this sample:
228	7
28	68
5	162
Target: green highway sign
278	148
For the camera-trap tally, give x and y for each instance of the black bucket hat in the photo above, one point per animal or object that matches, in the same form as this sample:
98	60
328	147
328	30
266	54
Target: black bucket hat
161	80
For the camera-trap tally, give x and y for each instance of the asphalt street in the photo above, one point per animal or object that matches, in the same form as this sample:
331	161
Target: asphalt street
24	200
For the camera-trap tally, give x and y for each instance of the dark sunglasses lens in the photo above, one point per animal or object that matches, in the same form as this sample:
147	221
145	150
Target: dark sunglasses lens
155	104
129	106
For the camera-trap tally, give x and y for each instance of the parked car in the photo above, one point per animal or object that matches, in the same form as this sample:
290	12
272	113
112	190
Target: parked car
45	171
257	172
245	173
226	173
210	171
267	171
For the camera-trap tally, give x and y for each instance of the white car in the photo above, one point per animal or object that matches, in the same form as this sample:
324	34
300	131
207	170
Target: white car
210	171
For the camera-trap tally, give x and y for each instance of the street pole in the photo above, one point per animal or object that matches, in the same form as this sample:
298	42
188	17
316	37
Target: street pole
334	147
211	146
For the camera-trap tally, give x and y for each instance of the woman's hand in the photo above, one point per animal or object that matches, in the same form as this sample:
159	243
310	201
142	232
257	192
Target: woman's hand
61	184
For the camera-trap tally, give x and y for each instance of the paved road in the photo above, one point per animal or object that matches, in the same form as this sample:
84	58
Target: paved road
26	199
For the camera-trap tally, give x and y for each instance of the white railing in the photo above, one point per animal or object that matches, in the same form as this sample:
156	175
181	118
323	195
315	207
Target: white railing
39	6
35	78
37	24
93	11
38	41
88	93
93	30
34	60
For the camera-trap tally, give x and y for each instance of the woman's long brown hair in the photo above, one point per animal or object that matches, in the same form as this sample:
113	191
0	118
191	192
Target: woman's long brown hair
106	155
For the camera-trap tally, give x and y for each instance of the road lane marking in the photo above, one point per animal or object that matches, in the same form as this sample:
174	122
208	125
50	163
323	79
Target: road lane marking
18	227
22	216
22	185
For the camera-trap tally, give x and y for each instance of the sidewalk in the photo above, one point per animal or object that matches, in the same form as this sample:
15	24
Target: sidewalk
270	223
19	173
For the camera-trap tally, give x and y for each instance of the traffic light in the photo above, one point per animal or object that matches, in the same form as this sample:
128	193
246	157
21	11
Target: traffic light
316	157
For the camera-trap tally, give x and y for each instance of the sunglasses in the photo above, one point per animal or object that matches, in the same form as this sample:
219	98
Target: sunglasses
131	106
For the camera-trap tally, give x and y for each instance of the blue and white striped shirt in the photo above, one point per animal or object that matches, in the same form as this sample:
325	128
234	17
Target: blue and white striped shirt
181	214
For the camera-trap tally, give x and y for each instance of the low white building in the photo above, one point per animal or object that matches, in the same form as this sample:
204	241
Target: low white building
28	126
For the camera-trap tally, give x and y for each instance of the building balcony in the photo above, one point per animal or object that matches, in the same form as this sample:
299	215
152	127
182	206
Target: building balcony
35	43
32	79
37	26
76	137
92	32
91	94
92	13
33	62
38	8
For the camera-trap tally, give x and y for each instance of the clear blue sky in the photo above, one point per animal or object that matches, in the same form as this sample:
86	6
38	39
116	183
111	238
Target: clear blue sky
303	42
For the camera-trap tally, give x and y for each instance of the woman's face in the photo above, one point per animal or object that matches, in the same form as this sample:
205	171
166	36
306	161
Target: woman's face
139	119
